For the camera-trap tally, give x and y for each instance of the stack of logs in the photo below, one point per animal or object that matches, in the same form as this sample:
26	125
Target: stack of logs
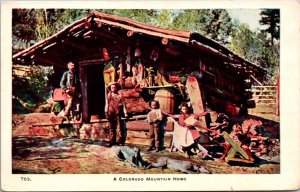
137	132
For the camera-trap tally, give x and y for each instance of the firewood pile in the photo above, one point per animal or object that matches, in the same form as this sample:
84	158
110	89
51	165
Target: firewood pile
137	132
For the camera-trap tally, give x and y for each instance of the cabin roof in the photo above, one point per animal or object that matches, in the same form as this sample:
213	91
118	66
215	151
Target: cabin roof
86	37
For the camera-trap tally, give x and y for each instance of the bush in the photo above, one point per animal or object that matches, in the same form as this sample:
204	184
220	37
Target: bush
31	90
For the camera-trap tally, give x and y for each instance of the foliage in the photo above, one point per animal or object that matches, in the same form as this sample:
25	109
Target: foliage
141	15
34	89
271	18
257	48
163	19
192	20
60	18
23	29
33	25
213	23
220	26
38	81
242	40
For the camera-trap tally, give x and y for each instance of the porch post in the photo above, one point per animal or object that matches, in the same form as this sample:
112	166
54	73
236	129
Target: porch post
84	93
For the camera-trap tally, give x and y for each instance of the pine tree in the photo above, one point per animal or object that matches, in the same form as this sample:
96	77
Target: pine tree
271	18
215	23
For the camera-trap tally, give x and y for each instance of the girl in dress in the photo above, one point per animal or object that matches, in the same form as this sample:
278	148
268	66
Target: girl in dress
191	132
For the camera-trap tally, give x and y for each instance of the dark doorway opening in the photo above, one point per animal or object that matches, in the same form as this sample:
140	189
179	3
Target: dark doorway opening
96	90
92	89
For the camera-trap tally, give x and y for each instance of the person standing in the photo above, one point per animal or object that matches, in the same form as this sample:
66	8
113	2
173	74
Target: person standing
114	110
154	118
69	78
69	83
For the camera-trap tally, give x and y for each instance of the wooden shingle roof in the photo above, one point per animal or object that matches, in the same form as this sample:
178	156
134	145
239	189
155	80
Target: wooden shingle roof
86	37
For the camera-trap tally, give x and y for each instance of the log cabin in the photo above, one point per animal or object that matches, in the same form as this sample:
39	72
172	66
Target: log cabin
167	56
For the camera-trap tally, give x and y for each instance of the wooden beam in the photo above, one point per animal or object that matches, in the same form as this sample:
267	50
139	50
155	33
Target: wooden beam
47	40
136	24
41	58
211	50
79	47
84	93
139	30
48	46
256	80
76	27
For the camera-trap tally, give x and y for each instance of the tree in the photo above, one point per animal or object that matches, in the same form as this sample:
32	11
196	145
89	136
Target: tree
242	41
213	23
220	26
33	25
142	15
60	18
23	28
256	48
163	19
271	18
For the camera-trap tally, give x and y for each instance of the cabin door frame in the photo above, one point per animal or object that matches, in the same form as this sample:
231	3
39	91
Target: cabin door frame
92	89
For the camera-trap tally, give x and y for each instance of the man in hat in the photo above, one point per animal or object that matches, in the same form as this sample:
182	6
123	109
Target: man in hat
114	109
69	83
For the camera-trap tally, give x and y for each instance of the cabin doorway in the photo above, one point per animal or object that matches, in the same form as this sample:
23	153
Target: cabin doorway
92	89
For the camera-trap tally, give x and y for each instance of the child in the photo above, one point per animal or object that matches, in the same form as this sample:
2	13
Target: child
114	109
154	118
185	114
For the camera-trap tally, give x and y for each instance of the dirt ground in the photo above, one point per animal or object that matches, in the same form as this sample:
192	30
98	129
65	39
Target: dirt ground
48	155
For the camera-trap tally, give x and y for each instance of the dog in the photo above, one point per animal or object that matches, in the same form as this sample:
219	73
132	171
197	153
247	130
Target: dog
179	165
132	155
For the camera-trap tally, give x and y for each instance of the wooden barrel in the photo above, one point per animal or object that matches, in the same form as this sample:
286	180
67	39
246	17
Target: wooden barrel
166	100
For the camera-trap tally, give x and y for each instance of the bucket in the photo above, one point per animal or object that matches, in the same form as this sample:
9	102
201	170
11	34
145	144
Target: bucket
166	100
95	118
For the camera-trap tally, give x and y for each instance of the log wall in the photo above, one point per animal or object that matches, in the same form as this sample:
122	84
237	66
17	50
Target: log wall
137	132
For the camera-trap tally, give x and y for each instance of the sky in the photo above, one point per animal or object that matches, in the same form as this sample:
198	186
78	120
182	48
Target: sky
249	16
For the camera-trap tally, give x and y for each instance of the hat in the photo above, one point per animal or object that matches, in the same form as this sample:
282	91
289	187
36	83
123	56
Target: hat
105	54
112	83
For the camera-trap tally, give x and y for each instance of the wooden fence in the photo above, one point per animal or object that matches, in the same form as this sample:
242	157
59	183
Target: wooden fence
265	98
